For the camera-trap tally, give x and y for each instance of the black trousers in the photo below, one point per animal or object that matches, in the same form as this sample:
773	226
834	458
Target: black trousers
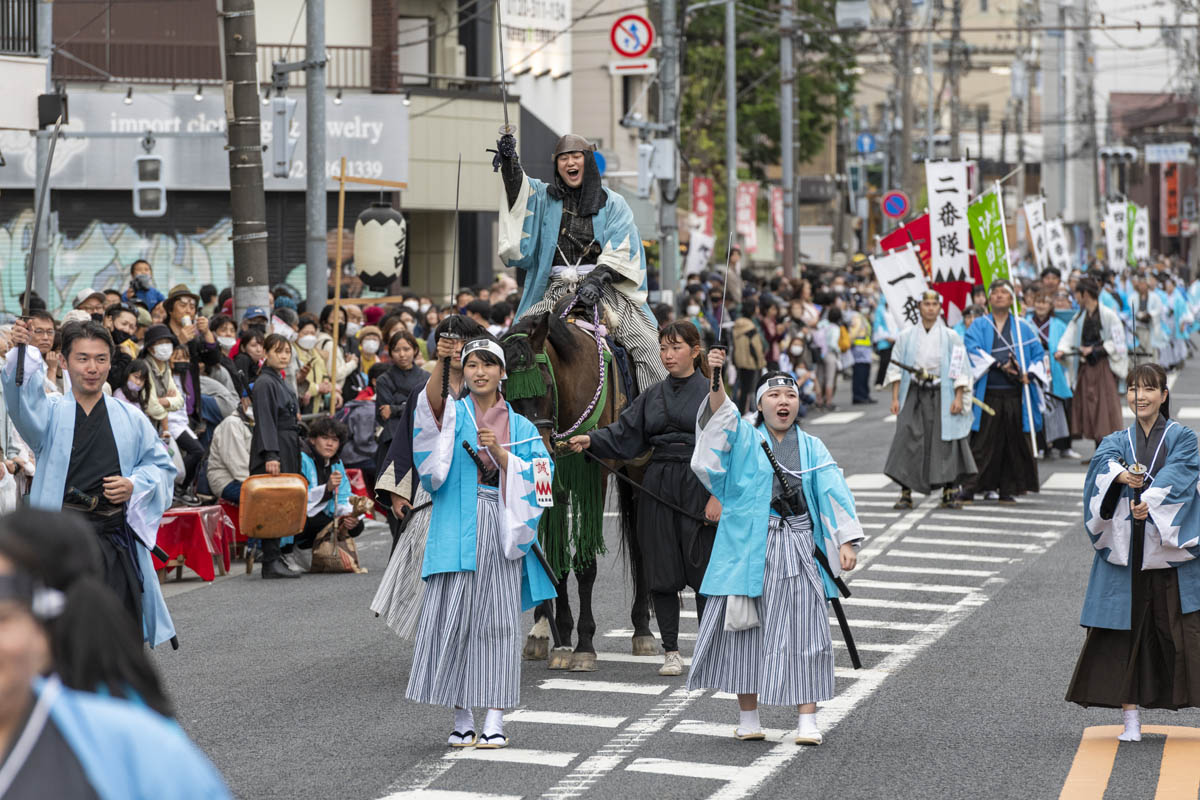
117	541
885	358
666	611
193	453
744	389
860	382
316	523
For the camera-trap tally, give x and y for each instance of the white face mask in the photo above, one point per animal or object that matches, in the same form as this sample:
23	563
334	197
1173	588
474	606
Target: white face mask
423	308
796	349
412	305
307	341
353	328
693	311
226	342
371	346
162	351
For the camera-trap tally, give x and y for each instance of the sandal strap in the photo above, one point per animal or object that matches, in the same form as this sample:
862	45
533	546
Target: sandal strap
467	735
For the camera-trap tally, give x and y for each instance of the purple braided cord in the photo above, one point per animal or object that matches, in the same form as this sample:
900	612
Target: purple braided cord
587	412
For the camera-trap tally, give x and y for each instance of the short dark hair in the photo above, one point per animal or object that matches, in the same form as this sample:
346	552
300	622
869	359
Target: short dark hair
377	369
328	426
327	312
249	335
117	309
276	341
74	331
460	326
404	335
43	315
500	312
1055	271
207	292
218	320
481	307
140	261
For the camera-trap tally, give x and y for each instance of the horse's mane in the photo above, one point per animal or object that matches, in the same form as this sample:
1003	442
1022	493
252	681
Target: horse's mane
559	333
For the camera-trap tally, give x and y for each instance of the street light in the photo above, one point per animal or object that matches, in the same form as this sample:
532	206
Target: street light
408	98
128	96
199	95
337	100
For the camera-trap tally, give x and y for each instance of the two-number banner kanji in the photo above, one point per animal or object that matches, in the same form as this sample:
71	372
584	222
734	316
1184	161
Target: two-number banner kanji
946	184
1058	249
902	282
956	295
1035	216
1116	235
986	216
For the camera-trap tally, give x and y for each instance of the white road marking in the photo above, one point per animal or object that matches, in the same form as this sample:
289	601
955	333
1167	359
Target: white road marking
445	794
721	730
966	573
837	418
866	583
1189	412
617	633
1025	548
882	624
874	503
950	556
629	658
1015	511
566	717
686	769
868	480
874	648
971	531
573	685
890	418
904	605
1052	523
1065	480
514	755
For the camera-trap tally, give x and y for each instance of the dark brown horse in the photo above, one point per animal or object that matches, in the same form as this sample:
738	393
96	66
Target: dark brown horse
559	379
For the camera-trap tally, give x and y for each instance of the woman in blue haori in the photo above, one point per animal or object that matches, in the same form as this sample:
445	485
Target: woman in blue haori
1056	430
484	521
765	631
1142	607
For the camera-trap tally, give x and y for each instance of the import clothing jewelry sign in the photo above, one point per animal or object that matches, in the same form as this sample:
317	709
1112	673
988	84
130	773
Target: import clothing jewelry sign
371	131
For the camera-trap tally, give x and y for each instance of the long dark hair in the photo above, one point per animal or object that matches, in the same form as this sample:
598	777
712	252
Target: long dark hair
93	644
138	367
1151	376
685	332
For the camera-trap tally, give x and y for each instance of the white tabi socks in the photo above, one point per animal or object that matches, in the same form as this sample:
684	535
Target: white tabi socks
807	731
749	728
493	730
464	728
1133	726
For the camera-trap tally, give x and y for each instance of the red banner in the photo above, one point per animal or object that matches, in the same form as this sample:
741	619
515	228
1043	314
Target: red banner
1169	182
777	216
956	295
702	202
747	214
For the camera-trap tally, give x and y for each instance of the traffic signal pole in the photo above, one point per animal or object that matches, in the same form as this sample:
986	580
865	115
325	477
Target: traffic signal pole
315	213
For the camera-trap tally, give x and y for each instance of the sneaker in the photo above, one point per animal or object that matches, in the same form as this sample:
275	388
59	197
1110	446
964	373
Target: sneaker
990	496
289	561
1048	455
672	664
1070	453
1041	455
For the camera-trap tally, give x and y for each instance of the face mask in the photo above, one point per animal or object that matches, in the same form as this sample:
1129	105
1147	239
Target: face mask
693	311
226	342
371	346
132	389
423	308
411	305
307	341
353	328
120	337
162	351
796	349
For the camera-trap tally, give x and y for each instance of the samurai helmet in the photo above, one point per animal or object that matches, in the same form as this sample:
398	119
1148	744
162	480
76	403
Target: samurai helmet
572	143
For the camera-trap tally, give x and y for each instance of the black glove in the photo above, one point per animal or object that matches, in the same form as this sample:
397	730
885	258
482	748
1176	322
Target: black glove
593	286
506	148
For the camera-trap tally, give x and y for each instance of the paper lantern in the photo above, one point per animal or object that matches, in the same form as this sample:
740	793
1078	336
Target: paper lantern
380	238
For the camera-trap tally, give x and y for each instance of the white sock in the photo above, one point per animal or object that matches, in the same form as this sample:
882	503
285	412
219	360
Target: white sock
1133	726
748	721
808	723
494	723
464	720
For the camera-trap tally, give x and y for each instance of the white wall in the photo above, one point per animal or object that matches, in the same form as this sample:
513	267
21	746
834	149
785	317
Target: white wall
347	22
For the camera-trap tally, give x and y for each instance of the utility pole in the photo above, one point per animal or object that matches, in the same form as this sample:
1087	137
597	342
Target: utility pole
731	145
247	200
955	48
316	225
1021	88
787	152
668	188
929	83
41	258
905	156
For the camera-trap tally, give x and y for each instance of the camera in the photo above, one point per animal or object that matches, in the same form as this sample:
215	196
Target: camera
141	283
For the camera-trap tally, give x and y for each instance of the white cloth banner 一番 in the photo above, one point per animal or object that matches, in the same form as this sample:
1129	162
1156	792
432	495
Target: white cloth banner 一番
1058	249
949	232
902	282
1140	243
1116	228
1035	217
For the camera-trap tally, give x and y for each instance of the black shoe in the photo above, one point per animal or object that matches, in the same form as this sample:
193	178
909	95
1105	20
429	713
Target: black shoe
965	497
905	502
1007	499
277	569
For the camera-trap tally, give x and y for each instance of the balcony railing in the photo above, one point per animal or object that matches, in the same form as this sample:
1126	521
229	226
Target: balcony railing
346	67
18	27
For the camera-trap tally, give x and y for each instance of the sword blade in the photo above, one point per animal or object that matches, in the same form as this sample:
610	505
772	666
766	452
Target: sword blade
503	79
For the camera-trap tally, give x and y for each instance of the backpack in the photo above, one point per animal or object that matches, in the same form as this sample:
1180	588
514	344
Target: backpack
843	341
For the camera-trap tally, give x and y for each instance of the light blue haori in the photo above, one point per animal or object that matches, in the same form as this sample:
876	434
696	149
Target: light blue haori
1172	537
729	461
451	478
47	424
1030	357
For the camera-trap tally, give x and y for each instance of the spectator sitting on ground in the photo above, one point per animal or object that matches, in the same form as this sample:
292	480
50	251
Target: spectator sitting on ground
320	464
229	455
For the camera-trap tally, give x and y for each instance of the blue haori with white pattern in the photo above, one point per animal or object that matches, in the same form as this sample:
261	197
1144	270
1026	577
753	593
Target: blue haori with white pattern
467	652
1172	537
788	658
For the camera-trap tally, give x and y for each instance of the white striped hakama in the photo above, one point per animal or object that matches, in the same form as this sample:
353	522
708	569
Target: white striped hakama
398	599
788	658
468	649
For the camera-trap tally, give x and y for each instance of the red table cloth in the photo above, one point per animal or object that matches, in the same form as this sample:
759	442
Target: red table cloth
198	534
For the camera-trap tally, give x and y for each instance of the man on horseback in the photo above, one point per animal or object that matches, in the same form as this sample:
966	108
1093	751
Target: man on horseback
575	236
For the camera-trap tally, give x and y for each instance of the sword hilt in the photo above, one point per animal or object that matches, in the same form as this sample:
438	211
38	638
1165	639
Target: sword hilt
716	376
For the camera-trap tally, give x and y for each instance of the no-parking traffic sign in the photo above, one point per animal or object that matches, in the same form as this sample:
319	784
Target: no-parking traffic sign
632	35
894	204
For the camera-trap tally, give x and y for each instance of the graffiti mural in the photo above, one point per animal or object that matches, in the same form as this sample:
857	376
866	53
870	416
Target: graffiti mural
100	256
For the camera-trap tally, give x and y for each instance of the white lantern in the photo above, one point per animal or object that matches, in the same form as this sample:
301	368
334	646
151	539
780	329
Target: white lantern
380	239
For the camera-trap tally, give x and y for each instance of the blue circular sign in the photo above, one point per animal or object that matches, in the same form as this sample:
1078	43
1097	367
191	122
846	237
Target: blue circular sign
895	204
601	162
865	143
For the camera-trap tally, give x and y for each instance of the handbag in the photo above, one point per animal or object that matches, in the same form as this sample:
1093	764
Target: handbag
334	550
741	613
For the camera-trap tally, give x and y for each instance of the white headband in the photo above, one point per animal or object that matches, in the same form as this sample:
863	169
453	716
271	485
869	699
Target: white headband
484	344
778	382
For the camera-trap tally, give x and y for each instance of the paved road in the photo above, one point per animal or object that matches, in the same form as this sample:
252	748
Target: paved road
966	622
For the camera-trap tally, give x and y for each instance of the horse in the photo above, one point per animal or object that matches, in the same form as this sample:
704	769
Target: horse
560	376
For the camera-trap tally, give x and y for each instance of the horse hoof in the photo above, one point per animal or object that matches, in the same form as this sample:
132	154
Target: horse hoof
560	658
645	645
583	662
536	649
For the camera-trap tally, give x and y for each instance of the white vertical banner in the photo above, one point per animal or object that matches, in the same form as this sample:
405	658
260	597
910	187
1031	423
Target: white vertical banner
902	282
1035	217
700	250
949	233
1058	249
1140	243
1116	231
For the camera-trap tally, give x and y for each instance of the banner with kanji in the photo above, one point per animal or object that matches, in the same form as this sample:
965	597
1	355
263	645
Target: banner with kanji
702	203
956	295
946	184
776	203
1058	249
986	217
1116	235
1168	202
1139	234
902	282
747	214
1035	217
700	250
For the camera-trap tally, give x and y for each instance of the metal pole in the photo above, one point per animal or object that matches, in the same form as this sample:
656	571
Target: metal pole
787	78
906	115
668	226
929	89
41	256
316	225
955	46
248	203
731	145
